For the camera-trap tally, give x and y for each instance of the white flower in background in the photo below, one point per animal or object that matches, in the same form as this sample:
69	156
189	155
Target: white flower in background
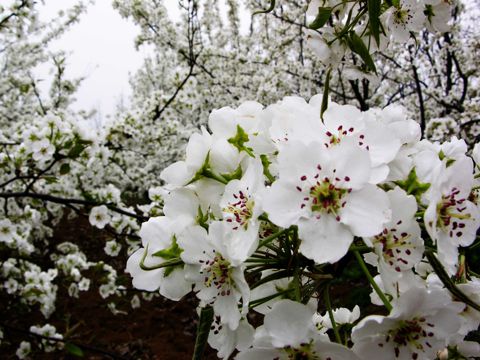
325	192
49	331
84	284
135	302
290	333
7	231
112	248
219	279
420	324
400	20
23	350
159	241
43	150
157	193
99	216
341	315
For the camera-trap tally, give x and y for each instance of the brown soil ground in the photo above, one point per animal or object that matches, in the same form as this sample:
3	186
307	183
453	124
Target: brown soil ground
160	329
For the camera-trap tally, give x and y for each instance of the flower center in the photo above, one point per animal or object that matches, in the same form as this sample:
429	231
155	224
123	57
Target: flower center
323	196
217	272
412	333
304	352
337	138
451	214
394	246
240	211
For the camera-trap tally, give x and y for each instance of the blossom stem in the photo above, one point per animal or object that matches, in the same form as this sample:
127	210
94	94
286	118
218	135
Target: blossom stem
372	282
203	329
272	237
326	295
172	262
211	175
265	299
360	248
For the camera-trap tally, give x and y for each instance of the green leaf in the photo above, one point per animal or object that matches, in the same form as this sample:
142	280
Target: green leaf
412	186
74	350
374	7
358	46
50	179
64	169
323	15
266	168
239	140
173	252
270	9
234	175
326	89
76	150
24	88
203	329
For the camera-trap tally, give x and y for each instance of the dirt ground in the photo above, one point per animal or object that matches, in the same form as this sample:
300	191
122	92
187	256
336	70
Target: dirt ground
160	329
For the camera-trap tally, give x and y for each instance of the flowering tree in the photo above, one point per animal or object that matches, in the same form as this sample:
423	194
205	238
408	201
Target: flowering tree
270	214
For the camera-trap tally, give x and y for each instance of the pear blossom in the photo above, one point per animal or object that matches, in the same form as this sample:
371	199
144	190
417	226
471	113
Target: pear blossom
451	219
99	216
408	16
7	231
399	246
225	340
420	324
218	278
289	333
325	192
159	240
43	150
241	207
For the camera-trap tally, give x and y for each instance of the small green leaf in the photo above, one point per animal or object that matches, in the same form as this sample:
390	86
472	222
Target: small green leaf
374	7
50	179
266	168
74	350
326	89
170	253
357	46
412	186
76	150
234	175
24	88
323	15
64	169
239	140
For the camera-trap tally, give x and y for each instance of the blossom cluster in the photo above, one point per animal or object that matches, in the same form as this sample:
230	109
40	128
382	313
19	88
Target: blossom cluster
269	203
340	27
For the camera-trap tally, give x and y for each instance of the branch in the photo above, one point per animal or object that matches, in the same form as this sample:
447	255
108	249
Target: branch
69	202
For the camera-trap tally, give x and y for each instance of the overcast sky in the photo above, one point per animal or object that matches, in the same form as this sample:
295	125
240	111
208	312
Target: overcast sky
100	47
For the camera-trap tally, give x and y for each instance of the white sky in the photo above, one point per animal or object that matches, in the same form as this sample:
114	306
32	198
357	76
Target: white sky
101	48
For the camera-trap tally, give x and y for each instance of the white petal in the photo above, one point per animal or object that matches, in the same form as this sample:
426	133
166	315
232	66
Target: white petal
366	211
